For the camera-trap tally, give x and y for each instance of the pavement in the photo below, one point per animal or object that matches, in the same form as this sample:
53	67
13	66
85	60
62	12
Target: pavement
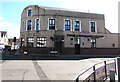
46	69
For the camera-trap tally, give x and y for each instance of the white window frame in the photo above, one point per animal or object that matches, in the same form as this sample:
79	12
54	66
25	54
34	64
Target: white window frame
95	26
27	23
30	41
55	23
70	25
39	23
74	26
93	41
28	10
45	41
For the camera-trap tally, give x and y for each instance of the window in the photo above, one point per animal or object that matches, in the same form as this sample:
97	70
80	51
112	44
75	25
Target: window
92	26
22	41
76	25
51	24
30	12
67	25
77	40
37	24
41	41
113	45
71	41
93	43
23	25
29	25
30	42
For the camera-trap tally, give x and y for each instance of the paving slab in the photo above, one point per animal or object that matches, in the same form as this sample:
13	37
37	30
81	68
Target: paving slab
19	70
46	69
67	69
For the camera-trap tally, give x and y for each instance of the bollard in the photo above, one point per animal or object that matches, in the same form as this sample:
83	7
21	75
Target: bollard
118	68
112	75
94	73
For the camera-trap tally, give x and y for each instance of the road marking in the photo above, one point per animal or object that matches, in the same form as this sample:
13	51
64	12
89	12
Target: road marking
39	71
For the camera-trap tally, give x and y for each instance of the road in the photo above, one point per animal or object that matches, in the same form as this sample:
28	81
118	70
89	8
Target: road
46	69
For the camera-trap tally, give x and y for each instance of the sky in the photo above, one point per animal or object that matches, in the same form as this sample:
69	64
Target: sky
10	12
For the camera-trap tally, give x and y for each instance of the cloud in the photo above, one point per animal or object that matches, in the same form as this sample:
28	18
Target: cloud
12	29
1	18
5	24
14	32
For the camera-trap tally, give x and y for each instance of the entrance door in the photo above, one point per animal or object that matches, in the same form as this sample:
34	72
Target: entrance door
77	48
59	46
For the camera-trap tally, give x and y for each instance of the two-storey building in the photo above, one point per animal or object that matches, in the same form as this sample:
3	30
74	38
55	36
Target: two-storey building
47	29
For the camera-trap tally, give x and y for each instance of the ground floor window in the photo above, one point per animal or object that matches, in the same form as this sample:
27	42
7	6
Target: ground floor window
30	42
41	41
22	41
93	43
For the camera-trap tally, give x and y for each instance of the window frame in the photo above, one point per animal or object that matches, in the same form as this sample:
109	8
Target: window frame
70	25
39	23
22	42
53	24
28	12
27	25
79	25
31	41
93	43
90	30
41	40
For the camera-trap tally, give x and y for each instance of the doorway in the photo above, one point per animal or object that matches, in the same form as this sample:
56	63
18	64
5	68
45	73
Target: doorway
59	44
77	48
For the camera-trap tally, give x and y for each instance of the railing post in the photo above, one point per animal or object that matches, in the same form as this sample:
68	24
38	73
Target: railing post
94	73
112	75
105	69
77	80
118	68
115	66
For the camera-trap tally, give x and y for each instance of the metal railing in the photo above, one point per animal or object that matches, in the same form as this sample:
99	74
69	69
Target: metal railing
98	72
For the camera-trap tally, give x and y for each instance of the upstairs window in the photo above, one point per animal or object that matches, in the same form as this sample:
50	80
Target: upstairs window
30	12
92	26
67	25
37	25
29	25
51	24
76	25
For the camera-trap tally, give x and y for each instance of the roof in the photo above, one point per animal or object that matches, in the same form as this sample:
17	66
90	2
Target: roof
63	9
54	8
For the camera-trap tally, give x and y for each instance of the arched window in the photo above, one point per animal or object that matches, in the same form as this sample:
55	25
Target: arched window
29	25
37	24
23	27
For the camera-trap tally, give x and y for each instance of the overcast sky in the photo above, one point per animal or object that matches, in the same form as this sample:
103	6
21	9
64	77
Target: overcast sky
10	11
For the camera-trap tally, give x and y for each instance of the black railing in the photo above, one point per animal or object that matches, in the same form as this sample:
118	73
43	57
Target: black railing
98	72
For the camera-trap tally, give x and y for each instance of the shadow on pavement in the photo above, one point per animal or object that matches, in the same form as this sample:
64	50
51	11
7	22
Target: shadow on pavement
15	55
